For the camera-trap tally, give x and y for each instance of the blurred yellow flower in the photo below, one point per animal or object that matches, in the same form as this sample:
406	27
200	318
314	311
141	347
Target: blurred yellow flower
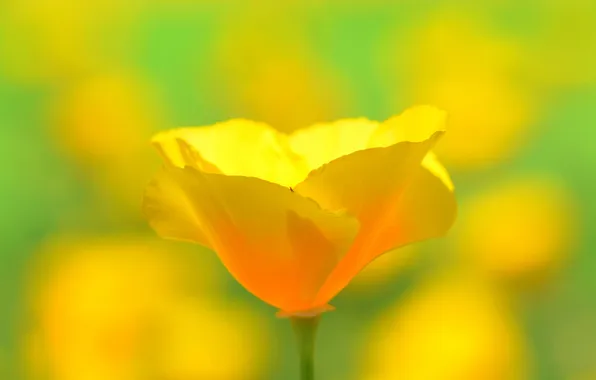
465	69
521	230
453	327
100	119
120	307
295	218
212	341
490	118
59	40
270	74
103	124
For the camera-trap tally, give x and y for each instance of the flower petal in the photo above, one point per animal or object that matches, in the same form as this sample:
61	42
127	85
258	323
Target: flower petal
323	143
278	244
171	212
395	197
415	124
425	209
433	165
235	147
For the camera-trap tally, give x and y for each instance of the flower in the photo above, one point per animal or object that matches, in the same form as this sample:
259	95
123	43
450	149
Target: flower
521	231
100	123
128	307
462	325
269	72
295	217
475	83
72	39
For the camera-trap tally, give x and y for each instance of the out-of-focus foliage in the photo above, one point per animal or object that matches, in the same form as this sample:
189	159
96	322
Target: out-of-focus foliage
88	292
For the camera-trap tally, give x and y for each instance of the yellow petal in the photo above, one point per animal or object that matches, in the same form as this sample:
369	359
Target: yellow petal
235	147
415	124
396	199
323	143
365	176
171	212
426	209
278	244
433	165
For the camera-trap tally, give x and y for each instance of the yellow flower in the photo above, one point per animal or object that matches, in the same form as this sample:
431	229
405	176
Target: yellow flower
102	123
269	72
71	38
121	308
521	231
295	217
97	121
475	83
200	338
455	327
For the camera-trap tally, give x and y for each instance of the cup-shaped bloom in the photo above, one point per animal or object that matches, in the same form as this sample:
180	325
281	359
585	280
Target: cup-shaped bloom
295	217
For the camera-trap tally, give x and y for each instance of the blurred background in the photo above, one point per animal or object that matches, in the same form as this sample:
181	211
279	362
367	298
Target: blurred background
88	292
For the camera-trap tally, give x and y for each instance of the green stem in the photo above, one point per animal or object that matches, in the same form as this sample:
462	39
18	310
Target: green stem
306	329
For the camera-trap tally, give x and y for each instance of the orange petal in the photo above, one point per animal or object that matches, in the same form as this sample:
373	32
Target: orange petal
278	244
425	209
396	199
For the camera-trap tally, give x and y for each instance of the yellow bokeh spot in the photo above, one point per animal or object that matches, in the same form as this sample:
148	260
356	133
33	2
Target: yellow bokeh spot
488	119
102	120
102	308
104	125
58	40
462	67
453	327
210	341
521	230
292	92
269	74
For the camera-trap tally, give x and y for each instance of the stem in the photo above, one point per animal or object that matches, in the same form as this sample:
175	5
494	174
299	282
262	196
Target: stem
305	329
